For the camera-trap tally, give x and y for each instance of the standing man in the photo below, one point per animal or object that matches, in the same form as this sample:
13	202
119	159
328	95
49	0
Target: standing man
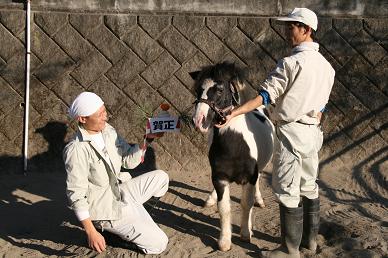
101	196
297	90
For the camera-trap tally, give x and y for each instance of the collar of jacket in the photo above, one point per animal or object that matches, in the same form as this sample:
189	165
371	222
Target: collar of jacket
306	46
84	136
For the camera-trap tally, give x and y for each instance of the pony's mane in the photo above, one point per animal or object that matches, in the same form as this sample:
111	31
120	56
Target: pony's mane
222	73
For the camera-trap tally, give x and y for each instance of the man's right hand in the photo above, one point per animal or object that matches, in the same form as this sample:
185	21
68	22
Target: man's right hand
227	119
245	108
95	240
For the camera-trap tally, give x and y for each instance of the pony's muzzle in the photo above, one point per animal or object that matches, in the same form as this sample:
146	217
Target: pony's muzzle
198	122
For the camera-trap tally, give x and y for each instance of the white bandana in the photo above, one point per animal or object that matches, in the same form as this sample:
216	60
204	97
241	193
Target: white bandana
85	104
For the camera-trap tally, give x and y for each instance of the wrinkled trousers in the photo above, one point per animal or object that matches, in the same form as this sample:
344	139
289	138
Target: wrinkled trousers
136	225
295	162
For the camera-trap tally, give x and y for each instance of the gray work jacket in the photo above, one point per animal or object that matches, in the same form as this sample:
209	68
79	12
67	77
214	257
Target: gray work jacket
93	181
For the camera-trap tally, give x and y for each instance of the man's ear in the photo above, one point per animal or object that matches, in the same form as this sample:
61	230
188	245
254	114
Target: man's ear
308	30
81	119
194	75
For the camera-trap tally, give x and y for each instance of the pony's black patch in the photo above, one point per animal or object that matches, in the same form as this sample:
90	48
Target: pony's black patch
230	159
222	73
259	116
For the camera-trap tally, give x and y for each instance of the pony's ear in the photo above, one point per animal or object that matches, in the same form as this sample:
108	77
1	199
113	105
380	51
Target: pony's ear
235	93
238	84
194	75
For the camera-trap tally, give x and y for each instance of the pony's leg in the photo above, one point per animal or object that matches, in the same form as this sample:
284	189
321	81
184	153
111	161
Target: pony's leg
247	202
211	199
222	189
258	199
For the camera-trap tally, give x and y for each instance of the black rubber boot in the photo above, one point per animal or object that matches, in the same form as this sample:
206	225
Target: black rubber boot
310	223
291	226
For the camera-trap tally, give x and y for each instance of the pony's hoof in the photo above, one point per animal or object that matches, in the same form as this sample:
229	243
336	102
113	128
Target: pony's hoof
246	239
224	245
245	236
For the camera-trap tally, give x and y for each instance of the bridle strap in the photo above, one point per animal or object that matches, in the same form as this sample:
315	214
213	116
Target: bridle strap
222	113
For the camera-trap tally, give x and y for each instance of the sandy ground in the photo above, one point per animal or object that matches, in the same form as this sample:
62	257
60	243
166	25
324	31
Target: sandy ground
35	221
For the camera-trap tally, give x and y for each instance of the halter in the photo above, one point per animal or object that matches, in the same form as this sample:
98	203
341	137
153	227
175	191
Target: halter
221	112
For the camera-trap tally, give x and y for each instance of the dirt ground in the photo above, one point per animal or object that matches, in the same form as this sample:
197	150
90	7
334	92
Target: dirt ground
35	221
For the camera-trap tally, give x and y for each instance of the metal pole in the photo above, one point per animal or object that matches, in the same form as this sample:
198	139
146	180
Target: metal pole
27	90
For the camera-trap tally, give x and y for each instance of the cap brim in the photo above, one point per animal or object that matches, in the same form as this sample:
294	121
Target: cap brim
287	19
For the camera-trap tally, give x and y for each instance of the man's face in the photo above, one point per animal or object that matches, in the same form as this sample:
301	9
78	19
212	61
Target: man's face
295	34
95	122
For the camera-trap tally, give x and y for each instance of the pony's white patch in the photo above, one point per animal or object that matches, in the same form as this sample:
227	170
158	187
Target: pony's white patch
225	216
247	202
258	198
239	125
202	109
206	85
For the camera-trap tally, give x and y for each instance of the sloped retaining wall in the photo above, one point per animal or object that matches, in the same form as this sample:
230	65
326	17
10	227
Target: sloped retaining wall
137	54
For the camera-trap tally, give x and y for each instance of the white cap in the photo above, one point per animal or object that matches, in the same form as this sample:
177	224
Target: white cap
85	104
303	15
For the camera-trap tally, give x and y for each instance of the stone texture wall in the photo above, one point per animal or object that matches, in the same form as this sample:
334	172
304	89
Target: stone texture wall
339	8
136	61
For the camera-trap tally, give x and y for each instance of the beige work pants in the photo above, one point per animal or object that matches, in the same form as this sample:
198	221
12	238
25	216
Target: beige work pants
136	225
295	162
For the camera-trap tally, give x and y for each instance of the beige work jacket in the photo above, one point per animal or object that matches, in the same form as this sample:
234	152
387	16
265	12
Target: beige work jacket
300	85
93	181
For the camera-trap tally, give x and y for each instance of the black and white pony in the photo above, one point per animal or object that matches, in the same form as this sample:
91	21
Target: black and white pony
239	151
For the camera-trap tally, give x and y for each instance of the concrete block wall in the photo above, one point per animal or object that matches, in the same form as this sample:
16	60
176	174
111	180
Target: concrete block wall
137	57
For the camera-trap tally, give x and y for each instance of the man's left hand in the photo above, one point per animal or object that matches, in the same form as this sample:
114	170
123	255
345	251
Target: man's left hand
154	135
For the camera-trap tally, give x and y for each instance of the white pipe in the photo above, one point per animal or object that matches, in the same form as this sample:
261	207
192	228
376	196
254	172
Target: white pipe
27	91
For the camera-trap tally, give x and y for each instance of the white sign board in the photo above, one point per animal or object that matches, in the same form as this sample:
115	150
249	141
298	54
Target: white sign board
163	124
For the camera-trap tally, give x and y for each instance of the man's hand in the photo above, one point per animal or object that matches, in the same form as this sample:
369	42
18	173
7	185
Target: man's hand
154	135
245	108
227	119
95	240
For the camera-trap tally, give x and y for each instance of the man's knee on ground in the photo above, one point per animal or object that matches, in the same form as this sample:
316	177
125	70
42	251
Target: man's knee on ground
157	247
